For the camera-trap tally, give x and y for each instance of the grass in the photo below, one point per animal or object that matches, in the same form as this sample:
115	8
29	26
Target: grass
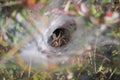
102	63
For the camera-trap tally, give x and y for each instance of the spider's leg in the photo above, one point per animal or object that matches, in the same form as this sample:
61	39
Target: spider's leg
56	44
59	42
53	44
59	35
63	40
54	38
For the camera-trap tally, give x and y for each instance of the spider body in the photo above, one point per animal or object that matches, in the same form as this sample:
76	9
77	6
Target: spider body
58	40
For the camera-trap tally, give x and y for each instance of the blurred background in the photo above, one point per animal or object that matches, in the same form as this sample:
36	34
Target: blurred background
59	39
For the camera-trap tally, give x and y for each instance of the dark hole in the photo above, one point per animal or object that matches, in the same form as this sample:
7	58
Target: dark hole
59	38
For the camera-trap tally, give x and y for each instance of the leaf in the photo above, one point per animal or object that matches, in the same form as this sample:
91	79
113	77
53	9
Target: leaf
1	38
11	72
2	22
30	2
24	13
105	1
118	72
35	77
43	1
92	10
4	44
89	72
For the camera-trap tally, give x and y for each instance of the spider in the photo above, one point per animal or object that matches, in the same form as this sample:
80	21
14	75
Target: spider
58	40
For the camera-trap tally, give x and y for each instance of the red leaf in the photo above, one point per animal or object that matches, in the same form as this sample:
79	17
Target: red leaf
109	13
77	7
29	2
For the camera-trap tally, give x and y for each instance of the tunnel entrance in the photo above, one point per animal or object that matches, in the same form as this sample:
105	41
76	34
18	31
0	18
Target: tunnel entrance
60	37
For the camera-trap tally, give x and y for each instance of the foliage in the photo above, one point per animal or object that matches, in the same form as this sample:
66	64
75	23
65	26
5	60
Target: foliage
104	66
